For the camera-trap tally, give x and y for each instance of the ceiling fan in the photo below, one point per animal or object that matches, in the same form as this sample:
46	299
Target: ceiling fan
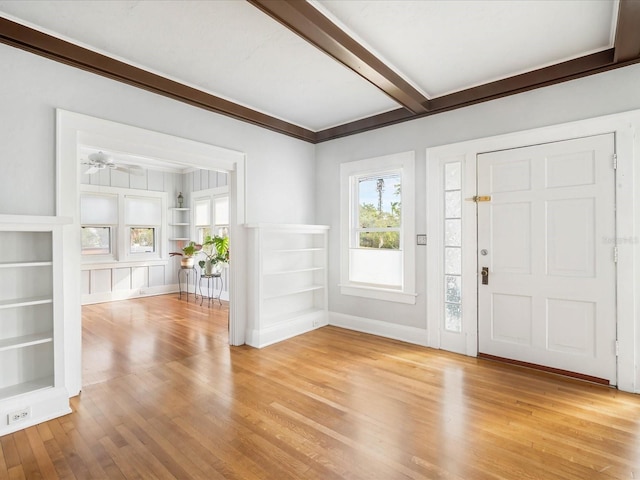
100	160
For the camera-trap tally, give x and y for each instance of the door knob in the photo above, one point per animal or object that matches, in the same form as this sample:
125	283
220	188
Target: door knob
485	275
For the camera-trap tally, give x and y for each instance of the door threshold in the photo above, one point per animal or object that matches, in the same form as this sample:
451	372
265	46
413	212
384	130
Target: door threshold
543	368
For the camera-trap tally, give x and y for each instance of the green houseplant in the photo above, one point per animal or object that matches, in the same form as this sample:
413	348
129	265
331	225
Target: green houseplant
216	252
188	254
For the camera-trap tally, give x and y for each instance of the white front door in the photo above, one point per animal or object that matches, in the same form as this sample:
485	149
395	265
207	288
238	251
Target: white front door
546	241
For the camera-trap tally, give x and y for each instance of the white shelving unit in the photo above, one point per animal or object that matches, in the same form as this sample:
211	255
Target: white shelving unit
31	322
287	281
180	223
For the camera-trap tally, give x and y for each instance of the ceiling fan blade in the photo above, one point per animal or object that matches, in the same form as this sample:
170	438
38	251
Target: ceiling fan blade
100	157
100	160
131	169
91	169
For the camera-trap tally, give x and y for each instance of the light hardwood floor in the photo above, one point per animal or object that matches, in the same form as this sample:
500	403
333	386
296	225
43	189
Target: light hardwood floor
166	397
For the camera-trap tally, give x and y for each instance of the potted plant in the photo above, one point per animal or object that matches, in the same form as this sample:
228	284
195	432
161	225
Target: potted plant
216	252
188	253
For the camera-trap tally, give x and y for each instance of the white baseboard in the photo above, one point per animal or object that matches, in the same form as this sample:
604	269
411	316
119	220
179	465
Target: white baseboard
404	333
116	295
113	296
286	329
43	405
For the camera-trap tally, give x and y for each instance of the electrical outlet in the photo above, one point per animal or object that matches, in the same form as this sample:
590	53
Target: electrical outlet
19	415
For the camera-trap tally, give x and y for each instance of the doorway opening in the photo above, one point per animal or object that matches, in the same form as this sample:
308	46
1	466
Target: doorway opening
75	130
136	223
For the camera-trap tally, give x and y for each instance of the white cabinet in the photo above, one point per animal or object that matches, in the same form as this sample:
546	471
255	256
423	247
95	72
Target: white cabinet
180	223
31	322
287	281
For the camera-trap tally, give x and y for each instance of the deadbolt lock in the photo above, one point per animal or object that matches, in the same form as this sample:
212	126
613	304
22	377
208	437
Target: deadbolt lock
479	198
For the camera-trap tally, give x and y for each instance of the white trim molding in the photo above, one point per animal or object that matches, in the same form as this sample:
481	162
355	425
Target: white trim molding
399	162
414	335
625	126
88	299
74	130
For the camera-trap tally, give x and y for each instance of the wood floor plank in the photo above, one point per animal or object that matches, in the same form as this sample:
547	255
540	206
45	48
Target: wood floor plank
27	458
124	458
63	470
166	397
10	451
64	453
158	452
228	460
47	470
3	464
17	473
85	447
197	463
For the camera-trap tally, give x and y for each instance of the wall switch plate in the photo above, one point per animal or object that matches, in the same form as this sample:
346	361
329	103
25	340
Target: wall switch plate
421	239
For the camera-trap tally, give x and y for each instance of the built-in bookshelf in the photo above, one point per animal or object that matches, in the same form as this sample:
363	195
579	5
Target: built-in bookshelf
31	321
180	223
288	281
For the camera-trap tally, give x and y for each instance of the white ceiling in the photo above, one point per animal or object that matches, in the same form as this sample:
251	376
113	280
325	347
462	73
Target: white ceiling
232	50
447	46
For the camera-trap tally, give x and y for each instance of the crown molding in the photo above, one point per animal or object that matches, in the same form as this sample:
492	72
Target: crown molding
306	21
34	41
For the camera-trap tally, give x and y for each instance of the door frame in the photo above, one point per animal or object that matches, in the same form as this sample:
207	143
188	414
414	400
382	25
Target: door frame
590	287
75	128
626	127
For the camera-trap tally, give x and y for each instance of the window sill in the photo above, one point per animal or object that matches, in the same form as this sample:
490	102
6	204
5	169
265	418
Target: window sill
379	294
123	264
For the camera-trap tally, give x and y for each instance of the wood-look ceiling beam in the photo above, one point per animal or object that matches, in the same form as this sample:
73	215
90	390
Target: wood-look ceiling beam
307	22
627	40
562	72
34	41
303	16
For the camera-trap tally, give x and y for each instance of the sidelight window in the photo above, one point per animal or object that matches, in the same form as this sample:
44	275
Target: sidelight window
453	246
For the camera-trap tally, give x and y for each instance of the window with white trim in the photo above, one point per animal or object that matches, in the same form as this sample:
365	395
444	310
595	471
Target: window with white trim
143	219
119	225
202	218
99	219
96	240
142	240
221	215
453	247
211	213
378	228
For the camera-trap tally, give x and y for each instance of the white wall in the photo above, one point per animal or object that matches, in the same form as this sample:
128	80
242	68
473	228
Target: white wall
606	93
279	171
283	182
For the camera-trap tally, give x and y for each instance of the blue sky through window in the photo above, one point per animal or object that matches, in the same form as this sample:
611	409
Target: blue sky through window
368	192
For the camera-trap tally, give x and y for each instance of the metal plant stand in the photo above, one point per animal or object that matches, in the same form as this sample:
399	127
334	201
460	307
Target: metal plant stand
186	272
211	279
